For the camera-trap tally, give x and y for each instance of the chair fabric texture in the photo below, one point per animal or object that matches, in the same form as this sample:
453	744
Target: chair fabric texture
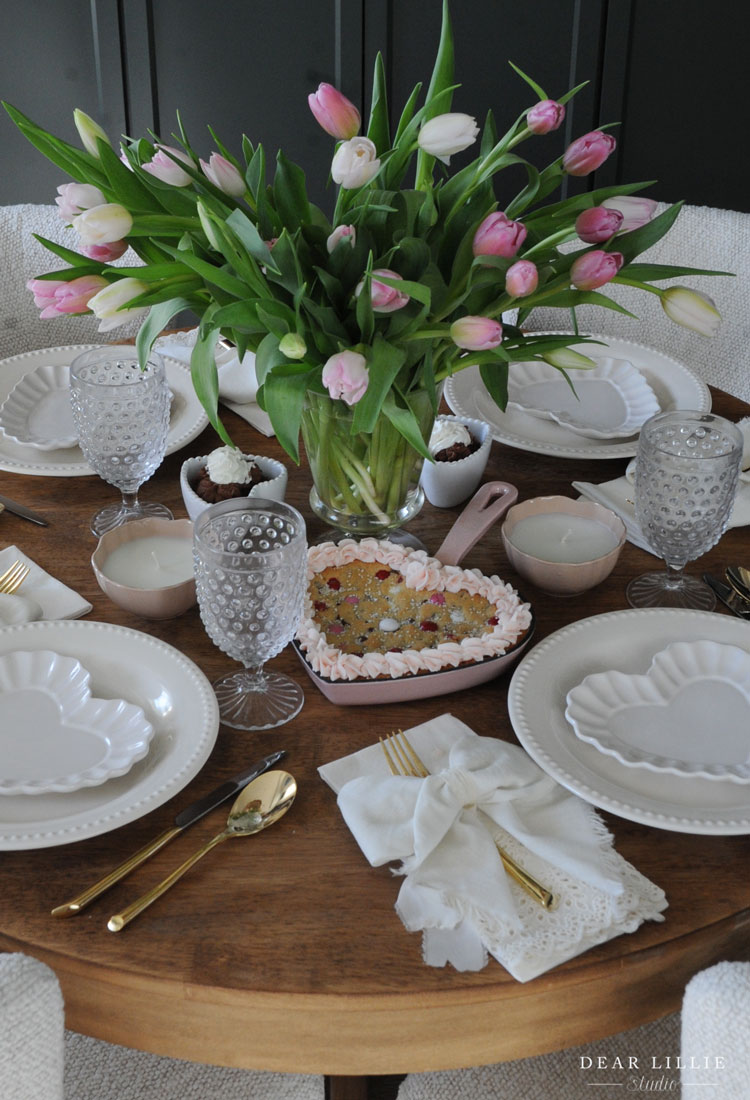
22	257
703	237
716	1027
40	1060
31	1030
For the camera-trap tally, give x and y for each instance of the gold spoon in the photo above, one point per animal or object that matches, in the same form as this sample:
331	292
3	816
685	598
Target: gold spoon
257	806
739	578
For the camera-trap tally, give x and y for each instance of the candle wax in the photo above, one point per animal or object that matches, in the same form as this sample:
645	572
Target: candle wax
154	561
562	537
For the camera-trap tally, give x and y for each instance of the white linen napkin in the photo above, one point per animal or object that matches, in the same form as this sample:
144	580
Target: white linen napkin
238	386
618	495
56	600
443	830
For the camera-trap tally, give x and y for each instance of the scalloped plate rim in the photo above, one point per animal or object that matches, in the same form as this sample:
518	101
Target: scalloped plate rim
124	742
632	757
606	370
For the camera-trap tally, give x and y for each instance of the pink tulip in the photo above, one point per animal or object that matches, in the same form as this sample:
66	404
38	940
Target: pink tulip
163	168
476	333
385	298
55	297
105	253
223	174
635	211
73	297
595	268
598	224
345	376
521	278
587	153
336	114
44	295
341	233
497	235
72	198
544	116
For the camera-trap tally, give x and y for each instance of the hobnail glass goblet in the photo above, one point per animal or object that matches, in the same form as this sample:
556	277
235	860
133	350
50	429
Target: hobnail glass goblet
121	414
686	475
250	559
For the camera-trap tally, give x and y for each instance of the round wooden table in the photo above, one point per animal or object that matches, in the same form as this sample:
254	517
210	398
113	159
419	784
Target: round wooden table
284	952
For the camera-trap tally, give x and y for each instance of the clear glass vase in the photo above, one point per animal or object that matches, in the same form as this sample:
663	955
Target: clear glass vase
364	483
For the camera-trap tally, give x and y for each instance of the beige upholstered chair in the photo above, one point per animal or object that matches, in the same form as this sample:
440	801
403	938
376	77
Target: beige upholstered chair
712	1037
23	258
702	237
39	1060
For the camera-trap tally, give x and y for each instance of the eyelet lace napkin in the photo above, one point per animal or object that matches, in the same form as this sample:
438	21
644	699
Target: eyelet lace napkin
238	386
443	830
618	495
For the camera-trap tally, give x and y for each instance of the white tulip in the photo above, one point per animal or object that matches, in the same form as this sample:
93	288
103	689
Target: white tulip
103	224
355	162
445	135
106	305
692	309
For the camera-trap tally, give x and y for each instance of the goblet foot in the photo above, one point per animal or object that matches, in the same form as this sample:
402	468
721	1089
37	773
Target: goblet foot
663	589
250	701
114	515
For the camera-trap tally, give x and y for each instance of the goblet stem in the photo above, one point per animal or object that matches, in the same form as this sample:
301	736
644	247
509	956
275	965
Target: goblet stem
256	699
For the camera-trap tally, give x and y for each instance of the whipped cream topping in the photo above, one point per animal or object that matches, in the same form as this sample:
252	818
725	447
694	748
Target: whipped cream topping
419	571
228	466
447	432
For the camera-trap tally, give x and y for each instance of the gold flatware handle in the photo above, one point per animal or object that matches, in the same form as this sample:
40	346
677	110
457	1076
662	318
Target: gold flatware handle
117	922
538	892
76	904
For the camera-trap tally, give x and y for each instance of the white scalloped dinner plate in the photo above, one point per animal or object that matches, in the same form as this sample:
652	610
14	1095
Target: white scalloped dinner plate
676	386
626	640
611	400
54	734
187	420
177	700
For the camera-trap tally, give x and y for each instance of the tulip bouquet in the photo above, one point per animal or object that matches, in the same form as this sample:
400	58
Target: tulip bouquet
356	317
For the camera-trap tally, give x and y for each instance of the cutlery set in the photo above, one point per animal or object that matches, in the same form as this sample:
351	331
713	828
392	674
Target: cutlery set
244	820
734	590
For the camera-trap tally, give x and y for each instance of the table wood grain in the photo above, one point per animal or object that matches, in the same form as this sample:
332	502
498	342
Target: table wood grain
284	952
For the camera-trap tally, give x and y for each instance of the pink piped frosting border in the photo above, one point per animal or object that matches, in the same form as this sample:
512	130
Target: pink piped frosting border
420	571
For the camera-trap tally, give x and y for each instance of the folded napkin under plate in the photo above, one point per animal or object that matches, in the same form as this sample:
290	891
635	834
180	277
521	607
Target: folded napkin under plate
443	829
238	385
56	600
618	495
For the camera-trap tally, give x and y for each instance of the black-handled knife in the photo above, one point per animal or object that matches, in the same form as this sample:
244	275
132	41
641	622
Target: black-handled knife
728	596
23	511
184	818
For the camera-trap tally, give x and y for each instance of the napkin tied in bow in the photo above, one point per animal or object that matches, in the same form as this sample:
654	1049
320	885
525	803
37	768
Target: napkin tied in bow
443	830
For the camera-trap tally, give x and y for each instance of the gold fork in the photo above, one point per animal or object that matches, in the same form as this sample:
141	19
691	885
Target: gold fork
13	577
403	760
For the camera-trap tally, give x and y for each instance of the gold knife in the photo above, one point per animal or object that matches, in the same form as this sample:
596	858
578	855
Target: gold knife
186	817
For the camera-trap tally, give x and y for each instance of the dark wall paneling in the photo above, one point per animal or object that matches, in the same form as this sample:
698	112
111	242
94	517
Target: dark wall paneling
248	69
674	75
53	58
686	94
